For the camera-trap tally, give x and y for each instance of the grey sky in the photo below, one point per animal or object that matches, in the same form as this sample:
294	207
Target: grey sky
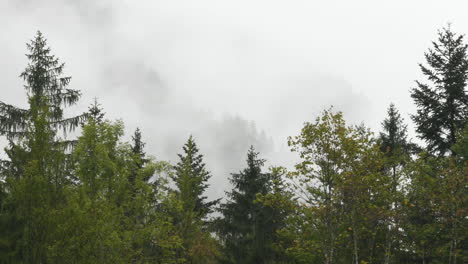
232	73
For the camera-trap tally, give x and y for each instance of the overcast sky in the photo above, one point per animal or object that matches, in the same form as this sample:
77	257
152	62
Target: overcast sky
232	73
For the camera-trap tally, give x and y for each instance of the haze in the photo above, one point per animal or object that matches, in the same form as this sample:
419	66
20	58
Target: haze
231	73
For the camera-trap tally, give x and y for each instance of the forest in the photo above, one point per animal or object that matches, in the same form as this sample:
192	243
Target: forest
354	196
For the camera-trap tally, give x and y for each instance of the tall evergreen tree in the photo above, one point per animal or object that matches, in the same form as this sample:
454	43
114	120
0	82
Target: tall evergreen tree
138	145
140	158
37	166
191	179
443	104
247	227
394	137
397	149
47	94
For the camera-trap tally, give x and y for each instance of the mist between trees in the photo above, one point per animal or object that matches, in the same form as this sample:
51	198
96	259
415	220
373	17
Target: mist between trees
353	197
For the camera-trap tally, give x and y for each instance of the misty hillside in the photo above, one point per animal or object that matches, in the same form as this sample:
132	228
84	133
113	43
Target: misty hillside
208	132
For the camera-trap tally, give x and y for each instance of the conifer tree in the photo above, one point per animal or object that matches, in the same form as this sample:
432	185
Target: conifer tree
47	94
394	137
397	149
138	144
140	156
37	170
247	227
191	179
95	112
442	105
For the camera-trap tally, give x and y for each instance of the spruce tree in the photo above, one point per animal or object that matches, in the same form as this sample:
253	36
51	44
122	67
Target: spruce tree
95	112
47	94
246	227
394	135
397	149
139	175
37	172
442	105
140	159
191	179
394	144
138	145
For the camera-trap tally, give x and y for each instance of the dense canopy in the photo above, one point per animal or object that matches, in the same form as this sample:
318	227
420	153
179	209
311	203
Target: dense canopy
352	197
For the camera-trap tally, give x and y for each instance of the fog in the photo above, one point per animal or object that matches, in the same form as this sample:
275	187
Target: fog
230	73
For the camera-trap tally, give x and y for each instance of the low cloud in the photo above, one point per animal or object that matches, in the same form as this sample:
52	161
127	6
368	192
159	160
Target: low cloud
231	75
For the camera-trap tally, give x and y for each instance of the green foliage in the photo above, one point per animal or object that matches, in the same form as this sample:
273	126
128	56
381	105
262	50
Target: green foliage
443	105
393	138
247	227
190	177
394	144
36	173
342	191
115	219
435	209
351	198
77	205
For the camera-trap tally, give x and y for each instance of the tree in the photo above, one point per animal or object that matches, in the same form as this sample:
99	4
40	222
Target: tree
442	106
37	168
397	149
318	174
422	226
393	138
191	179
247	227
434	208
147	203
140	158
95	112
395	145
47	94
107	218
341	189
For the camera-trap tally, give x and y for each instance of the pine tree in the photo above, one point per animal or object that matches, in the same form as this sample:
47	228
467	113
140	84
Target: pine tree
247	227
443	104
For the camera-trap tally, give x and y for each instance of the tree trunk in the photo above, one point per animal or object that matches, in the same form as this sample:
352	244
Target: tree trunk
355	242
388	246
372	247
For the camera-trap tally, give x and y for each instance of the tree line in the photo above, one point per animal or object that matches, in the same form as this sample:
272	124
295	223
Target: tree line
353	197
